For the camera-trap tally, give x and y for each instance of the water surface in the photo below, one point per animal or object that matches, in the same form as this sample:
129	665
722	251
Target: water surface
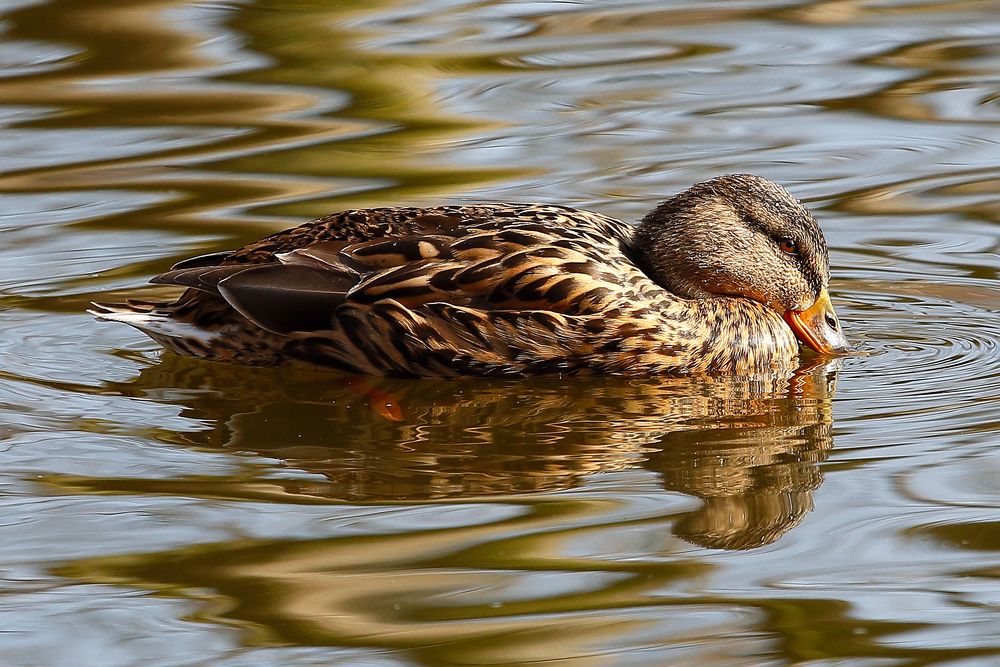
164	511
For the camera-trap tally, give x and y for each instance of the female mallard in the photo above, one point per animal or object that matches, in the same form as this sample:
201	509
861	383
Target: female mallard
722	277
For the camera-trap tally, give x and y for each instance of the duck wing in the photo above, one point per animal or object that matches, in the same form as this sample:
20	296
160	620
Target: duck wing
515	257
498	290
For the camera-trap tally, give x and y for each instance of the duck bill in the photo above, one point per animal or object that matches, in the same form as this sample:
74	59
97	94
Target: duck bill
818	326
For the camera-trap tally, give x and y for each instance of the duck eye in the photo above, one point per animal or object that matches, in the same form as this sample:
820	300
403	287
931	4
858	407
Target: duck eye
788	244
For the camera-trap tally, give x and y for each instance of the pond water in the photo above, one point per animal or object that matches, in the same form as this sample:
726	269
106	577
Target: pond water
163	511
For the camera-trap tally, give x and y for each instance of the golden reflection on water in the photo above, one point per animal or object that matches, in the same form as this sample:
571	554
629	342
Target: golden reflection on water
747	446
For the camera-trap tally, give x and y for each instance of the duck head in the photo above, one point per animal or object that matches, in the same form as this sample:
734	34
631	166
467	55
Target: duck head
741	235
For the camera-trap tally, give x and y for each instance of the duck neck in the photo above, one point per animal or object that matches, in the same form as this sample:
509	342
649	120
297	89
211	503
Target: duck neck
742	335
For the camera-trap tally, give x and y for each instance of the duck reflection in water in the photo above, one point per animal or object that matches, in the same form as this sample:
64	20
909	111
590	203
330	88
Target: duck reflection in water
749	447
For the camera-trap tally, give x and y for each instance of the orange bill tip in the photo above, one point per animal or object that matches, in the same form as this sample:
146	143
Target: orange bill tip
818	326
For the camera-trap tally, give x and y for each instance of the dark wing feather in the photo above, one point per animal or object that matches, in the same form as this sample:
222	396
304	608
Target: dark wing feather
280	298
211	259
323	255
284	298
204	278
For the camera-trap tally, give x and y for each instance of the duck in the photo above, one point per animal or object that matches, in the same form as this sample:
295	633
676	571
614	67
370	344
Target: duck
728	276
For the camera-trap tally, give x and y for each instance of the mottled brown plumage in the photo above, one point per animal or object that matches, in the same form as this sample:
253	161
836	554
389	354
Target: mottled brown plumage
705	283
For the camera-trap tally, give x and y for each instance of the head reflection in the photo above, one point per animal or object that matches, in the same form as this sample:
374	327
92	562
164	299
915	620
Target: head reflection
748	447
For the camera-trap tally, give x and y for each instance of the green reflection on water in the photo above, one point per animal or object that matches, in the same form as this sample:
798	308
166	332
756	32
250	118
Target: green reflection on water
421	593
379	134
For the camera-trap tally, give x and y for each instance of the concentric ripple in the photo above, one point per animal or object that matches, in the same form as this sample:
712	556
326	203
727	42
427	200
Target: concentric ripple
924	336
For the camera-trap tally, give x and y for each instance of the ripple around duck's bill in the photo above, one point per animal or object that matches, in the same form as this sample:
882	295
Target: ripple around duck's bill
926	333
